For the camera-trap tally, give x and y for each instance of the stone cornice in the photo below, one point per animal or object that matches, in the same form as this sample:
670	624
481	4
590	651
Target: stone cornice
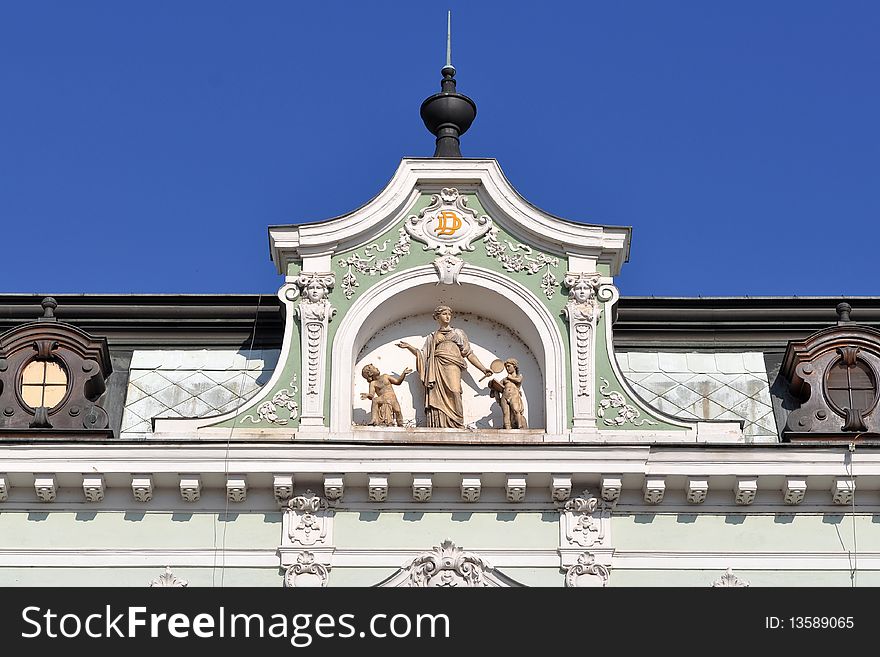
177	471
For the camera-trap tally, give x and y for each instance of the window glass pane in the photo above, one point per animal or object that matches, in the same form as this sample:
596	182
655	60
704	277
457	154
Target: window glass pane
837	376
861	377
53	395
55	373
862	399
33	373
840	398
32	395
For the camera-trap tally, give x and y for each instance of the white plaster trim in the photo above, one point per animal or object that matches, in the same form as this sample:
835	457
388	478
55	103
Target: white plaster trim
392	558
355	329
583	243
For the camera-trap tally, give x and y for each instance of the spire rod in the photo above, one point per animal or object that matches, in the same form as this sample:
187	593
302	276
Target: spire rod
449	39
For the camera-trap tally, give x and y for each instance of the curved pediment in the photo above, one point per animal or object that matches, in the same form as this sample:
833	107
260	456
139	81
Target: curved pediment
416	179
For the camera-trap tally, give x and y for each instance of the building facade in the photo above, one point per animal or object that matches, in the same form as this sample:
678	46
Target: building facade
447	390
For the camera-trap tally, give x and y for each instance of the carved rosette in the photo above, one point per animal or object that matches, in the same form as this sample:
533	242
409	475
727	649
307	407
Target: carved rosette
586	573
306	572
447	225
168	579
307	520
582	312
314	312
585	521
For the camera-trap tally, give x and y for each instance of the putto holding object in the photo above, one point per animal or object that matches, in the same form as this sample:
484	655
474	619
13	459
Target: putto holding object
508	393
385	409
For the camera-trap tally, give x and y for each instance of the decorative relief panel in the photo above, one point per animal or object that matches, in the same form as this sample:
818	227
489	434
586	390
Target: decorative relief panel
586	521
447	225
307	520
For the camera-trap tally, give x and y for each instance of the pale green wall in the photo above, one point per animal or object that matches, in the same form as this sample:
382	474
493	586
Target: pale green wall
469	531
139	577
118	529
785	532
755	578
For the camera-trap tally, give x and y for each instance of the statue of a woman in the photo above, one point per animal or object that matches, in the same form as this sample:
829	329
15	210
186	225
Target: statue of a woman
440	364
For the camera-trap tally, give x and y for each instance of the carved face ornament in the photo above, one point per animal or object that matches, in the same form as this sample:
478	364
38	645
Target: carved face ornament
315	291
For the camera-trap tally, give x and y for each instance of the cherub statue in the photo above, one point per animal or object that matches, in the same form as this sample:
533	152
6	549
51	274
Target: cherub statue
508	395
385	409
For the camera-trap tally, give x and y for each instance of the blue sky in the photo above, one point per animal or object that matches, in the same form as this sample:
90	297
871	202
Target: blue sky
146	146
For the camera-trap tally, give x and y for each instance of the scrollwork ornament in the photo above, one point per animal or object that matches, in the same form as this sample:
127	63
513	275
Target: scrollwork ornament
447	566
624	413
518	257
729	580
369	265
586	572
306	572
168	579
283	399
447	225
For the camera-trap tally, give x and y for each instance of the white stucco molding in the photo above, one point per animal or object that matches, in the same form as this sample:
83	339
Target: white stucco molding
585	245
516	307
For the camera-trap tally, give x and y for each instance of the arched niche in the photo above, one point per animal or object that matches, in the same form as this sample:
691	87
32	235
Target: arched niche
489	340
484	295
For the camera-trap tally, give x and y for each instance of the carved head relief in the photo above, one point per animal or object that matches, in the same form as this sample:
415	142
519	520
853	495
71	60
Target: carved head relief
582	287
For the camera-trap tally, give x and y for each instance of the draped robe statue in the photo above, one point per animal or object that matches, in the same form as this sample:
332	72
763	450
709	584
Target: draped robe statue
440	364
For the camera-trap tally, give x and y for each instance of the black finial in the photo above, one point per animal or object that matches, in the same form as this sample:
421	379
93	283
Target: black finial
843	311
449	114
49	305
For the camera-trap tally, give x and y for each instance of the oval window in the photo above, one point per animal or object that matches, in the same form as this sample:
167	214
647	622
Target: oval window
43	383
